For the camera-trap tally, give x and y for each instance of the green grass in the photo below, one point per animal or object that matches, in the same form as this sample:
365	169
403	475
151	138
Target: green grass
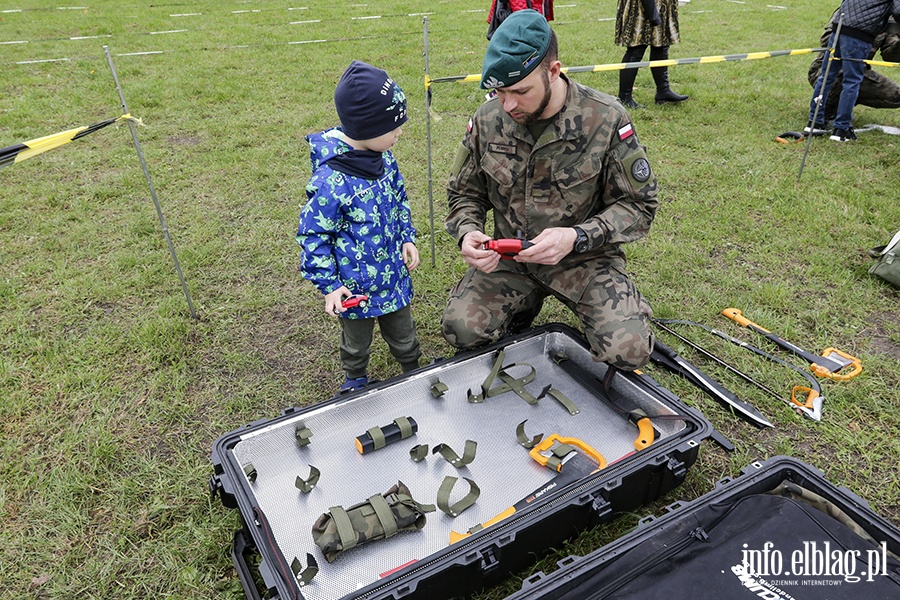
111	396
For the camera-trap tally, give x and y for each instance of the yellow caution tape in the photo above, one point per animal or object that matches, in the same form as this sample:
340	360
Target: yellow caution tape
701	60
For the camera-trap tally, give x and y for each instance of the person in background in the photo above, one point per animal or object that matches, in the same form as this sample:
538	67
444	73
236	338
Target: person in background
876	89
641	23
500	9
862	21
559	164
356	229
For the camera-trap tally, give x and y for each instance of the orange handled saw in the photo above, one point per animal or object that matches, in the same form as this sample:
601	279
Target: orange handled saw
832	364
571	458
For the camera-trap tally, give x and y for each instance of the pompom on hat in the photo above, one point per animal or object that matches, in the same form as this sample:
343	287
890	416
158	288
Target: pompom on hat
369	103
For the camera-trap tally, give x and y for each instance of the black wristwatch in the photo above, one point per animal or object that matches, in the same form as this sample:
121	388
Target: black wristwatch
582	243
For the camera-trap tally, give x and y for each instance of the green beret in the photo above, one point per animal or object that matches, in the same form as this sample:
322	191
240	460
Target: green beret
516	48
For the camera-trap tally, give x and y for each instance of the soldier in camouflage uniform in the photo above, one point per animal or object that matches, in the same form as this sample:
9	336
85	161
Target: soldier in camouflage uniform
560	163
876	90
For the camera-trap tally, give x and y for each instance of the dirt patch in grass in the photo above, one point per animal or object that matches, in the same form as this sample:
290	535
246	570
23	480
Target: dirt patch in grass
295	345
183	140
879	334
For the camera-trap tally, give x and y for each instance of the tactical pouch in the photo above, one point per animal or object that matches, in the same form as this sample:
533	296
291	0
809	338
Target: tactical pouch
887	264
379	517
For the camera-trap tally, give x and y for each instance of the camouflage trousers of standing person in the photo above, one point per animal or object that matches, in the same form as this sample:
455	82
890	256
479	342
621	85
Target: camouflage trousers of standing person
616	319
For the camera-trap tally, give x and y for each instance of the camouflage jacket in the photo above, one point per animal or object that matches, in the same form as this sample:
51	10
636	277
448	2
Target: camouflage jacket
587	169
352	231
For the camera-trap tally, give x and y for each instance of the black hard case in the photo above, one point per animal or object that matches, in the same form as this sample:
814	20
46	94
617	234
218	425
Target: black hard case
580	578
274	534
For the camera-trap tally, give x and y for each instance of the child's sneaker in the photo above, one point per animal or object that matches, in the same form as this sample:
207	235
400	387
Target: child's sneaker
814	130
843	135
353	384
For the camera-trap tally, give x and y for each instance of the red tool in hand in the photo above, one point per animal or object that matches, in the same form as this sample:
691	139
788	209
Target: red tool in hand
508	247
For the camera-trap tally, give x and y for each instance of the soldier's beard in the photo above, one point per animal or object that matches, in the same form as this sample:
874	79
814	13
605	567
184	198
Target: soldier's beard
529	118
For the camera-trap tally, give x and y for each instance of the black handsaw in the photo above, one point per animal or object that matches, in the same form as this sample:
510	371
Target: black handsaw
666	357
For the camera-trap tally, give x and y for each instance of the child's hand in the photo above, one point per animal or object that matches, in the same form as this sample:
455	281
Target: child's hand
333	301
410	255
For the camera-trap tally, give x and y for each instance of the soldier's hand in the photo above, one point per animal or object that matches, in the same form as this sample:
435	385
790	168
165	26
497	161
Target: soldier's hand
550	246
477	257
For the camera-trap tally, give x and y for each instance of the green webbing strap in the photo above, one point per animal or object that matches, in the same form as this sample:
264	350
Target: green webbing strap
250	472
344	527
311	570
636	415
476	528
302	434
404	499
384	514
438	389
526	443
443	497
562	398
559	357
377	437
418	452
510	383
405	426
307	485
453	458
558	454
486	385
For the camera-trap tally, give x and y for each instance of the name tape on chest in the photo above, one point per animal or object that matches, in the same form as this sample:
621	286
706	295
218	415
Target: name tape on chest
501	148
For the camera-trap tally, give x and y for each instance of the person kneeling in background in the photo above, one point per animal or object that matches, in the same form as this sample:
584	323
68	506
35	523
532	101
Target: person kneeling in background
862	21
876	90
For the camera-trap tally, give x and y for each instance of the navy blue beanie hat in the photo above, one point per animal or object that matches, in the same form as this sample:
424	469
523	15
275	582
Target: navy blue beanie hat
369	103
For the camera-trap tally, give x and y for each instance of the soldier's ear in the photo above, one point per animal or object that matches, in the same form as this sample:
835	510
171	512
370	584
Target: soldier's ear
554	70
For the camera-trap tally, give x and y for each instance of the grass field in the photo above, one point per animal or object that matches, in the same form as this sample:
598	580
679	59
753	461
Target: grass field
111	395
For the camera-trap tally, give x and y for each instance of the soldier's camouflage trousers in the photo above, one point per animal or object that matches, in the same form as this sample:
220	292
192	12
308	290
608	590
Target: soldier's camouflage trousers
875	90
615	317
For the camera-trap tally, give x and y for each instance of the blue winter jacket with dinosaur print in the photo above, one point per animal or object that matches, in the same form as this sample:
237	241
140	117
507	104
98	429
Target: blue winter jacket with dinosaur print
352	230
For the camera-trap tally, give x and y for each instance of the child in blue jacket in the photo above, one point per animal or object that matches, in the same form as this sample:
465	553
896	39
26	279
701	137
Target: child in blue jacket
356	229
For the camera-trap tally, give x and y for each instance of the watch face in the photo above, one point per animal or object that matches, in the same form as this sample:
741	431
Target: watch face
581	242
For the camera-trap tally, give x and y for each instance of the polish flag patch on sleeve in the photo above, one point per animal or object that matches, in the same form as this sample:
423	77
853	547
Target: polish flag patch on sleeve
626	132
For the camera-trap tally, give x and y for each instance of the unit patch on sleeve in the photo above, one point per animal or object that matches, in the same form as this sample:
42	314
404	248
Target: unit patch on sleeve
640	170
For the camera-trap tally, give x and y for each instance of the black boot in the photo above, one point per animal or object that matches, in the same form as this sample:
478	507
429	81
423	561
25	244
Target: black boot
627	77
661	77
626	86
523	320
